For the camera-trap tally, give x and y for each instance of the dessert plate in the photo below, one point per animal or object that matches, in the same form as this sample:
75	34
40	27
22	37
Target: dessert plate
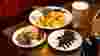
68	43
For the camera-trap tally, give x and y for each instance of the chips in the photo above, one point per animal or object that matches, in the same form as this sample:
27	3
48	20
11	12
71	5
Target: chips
53	19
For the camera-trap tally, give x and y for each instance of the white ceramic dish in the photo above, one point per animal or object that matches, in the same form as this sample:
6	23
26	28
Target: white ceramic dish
53	42
34	15
28	29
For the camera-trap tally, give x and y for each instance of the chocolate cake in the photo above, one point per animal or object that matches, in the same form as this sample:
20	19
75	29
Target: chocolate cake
66	39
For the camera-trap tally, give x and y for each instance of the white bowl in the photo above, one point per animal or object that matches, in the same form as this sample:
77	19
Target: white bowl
34	15
53	42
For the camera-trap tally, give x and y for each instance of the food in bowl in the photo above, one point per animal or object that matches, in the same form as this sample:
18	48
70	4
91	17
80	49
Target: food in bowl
53	19
26	37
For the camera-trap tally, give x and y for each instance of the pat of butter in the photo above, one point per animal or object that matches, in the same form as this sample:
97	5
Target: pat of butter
37	13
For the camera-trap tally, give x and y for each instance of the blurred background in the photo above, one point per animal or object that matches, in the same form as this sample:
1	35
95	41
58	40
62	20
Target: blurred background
13	12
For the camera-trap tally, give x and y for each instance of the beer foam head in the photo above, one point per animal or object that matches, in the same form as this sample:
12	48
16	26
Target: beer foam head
80	5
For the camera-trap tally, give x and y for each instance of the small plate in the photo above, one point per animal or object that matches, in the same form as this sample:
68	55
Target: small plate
28	28
53	41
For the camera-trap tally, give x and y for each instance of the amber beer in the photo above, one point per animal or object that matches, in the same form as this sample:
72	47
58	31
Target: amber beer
80	14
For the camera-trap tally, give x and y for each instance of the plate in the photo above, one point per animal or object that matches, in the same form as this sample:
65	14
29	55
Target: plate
35	15
54	42
21	39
